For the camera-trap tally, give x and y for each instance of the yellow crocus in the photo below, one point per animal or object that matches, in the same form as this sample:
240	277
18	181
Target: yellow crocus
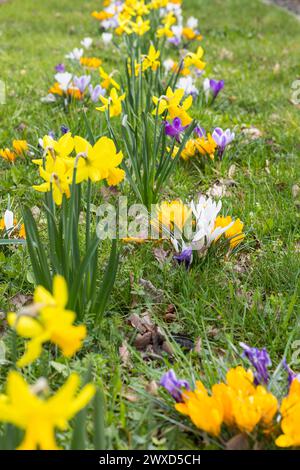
108	80
23	407
290	417
8	155
20	146
90	62
99	162
151	59
206	146
47	320
235	232
175	105
204	411
113	103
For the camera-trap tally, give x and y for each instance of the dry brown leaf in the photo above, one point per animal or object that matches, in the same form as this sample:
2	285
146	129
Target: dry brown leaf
156	295
231	171
152	387
124	354
238	442
160	255
252	133
19	300
198	346
295	190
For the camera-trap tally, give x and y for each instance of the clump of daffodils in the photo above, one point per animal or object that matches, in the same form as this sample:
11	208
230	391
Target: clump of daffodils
241	403
71	156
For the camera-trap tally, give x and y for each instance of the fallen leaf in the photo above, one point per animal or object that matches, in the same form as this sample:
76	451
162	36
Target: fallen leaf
19	300
156	295
251	132
231	171
198	346
238	442
160	255
170	314
124	354
152	387
142	341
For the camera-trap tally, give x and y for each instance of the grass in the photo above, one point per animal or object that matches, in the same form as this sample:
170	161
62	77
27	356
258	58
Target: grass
251	297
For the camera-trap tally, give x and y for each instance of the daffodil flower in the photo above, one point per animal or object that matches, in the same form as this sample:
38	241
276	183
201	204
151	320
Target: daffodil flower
151	59
108	80
113	103
194	59
98	162
47	320
172	102
39	417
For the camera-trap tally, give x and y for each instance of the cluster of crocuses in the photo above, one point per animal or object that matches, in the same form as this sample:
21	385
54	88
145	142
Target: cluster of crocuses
28	407
86	82
242	403
71	160
195	227
19	149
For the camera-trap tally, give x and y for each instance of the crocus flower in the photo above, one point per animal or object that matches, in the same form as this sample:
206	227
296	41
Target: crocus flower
8	220
200	131
216	86
86	43
170	382
186	257
96	92
64	129
222	138
107	38
174	128
64	80
82	82
60	68
75	54
260	360
187	83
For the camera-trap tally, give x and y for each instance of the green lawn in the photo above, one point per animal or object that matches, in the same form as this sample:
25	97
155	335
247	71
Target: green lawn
252	296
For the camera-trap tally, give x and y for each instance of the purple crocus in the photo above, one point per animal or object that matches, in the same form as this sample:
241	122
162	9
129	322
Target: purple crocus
60	68
291	374
186	257
260	360
64	129
96	92
222	139
216	87
170	382
200	131
82	82
174	129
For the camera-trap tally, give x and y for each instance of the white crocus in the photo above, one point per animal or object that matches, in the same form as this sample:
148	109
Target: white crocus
107	38
86	42
206	212
64	80
168	64
8	220
206	88
75	54
192	22
187	84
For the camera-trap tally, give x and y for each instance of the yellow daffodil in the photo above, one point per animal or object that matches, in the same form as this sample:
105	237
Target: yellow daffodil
206	146
23	407
113	103
290	417
194	59
136	66
140	27
172	102
234	233
62	147
151	59
108	80
99	162
20	146
90	62
47	320
8	155
57	178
